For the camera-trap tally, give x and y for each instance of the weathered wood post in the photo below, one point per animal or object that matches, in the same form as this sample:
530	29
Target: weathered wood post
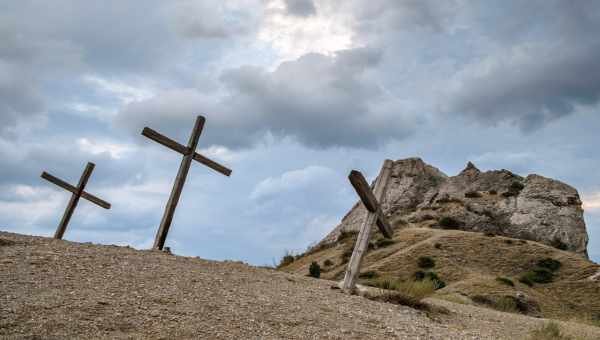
189	153
77	192
371	201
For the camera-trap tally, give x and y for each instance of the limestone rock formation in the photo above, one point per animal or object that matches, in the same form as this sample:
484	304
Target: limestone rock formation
533	208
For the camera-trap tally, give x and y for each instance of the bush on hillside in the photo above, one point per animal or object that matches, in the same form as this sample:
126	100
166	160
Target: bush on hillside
448	222
288	258
328	263
314	270
526	281
430	276
537	275
425	262
505	281
384	242
549	263
516	186
371	274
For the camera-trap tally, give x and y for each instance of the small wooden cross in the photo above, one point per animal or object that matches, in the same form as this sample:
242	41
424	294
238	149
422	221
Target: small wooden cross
371	200
189	153
77	192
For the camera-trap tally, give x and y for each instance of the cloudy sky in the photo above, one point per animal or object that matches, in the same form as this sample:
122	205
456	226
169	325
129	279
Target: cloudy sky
296	93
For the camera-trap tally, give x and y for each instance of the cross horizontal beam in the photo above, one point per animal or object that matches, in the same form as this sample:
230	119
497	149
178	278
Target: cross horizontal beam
363	189
74	190
184	150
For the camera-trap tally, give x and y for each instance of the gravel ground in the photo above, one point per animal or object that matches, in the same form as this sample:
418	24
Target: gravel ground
53	289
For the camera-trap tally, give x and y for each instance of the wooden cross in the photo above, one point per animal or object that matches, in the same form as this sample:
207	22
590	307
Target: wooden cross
77	192
189	153
371	200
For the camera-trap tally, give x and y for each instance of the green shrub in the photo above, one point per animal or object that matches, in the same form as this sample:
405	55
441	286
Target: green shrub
559	244
508	241
286	260
425	262
526	280
448	222
516	186
314	270
430	276
549	263
438	246
371	274
514	189
493	192
538	275
503	303
328	263
383	283
505	281
384	242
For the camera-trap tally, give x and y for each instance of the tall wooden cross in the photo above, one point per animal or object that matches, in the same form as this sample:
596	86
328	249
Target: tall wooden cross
371	200
77	192
189	153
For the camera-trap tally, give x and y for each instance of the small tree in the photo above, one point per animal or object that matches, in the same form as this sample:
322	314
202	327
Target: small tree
314	270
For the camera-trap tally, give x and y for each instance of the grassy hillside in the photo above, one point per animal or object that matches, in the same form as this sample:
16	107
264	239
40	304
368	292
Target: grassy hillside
488	271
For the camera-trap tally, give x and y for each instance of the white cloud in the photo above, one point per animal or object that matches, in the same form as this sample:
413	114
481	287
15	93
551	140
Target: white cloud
115	150
294	36
126	93
591	202
291	181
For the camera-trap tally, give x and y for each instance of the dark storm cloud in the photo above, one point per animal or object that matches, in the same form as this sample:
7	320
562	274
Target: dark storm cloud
545	69
300	8
319	100
46	45
534	92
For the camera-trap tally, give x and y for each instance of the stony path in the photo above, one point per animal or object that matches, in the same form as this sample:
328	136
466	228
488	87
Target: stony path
56	289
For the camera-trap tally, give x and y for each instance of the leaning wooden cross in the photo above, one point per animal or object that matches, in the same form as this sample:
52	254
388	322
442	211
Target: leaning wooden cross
77	192
189	153
371	201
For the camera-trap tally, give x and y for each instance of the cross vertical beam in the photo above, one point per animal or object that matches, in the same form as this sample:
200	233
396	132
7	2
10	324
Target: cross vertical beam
374	215
167	219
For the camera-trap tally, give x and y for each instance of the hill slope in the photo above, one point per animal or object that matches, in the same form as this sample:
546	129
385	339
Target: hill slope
59	289
469	263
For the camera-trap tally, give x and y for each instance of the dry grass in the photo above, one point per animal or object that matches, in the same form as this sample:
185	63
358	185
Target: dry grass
403	293
469	263
549	331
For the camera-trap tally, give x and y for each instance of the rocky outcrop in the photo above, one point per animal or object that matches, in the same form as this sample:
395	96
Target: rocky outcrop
499	202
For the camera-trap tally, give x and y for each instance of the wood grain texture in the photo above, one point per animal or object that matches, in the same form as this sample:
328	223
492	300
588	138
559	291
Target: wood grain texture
189	155
59	182
76	193
364	235
62	226
184	167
